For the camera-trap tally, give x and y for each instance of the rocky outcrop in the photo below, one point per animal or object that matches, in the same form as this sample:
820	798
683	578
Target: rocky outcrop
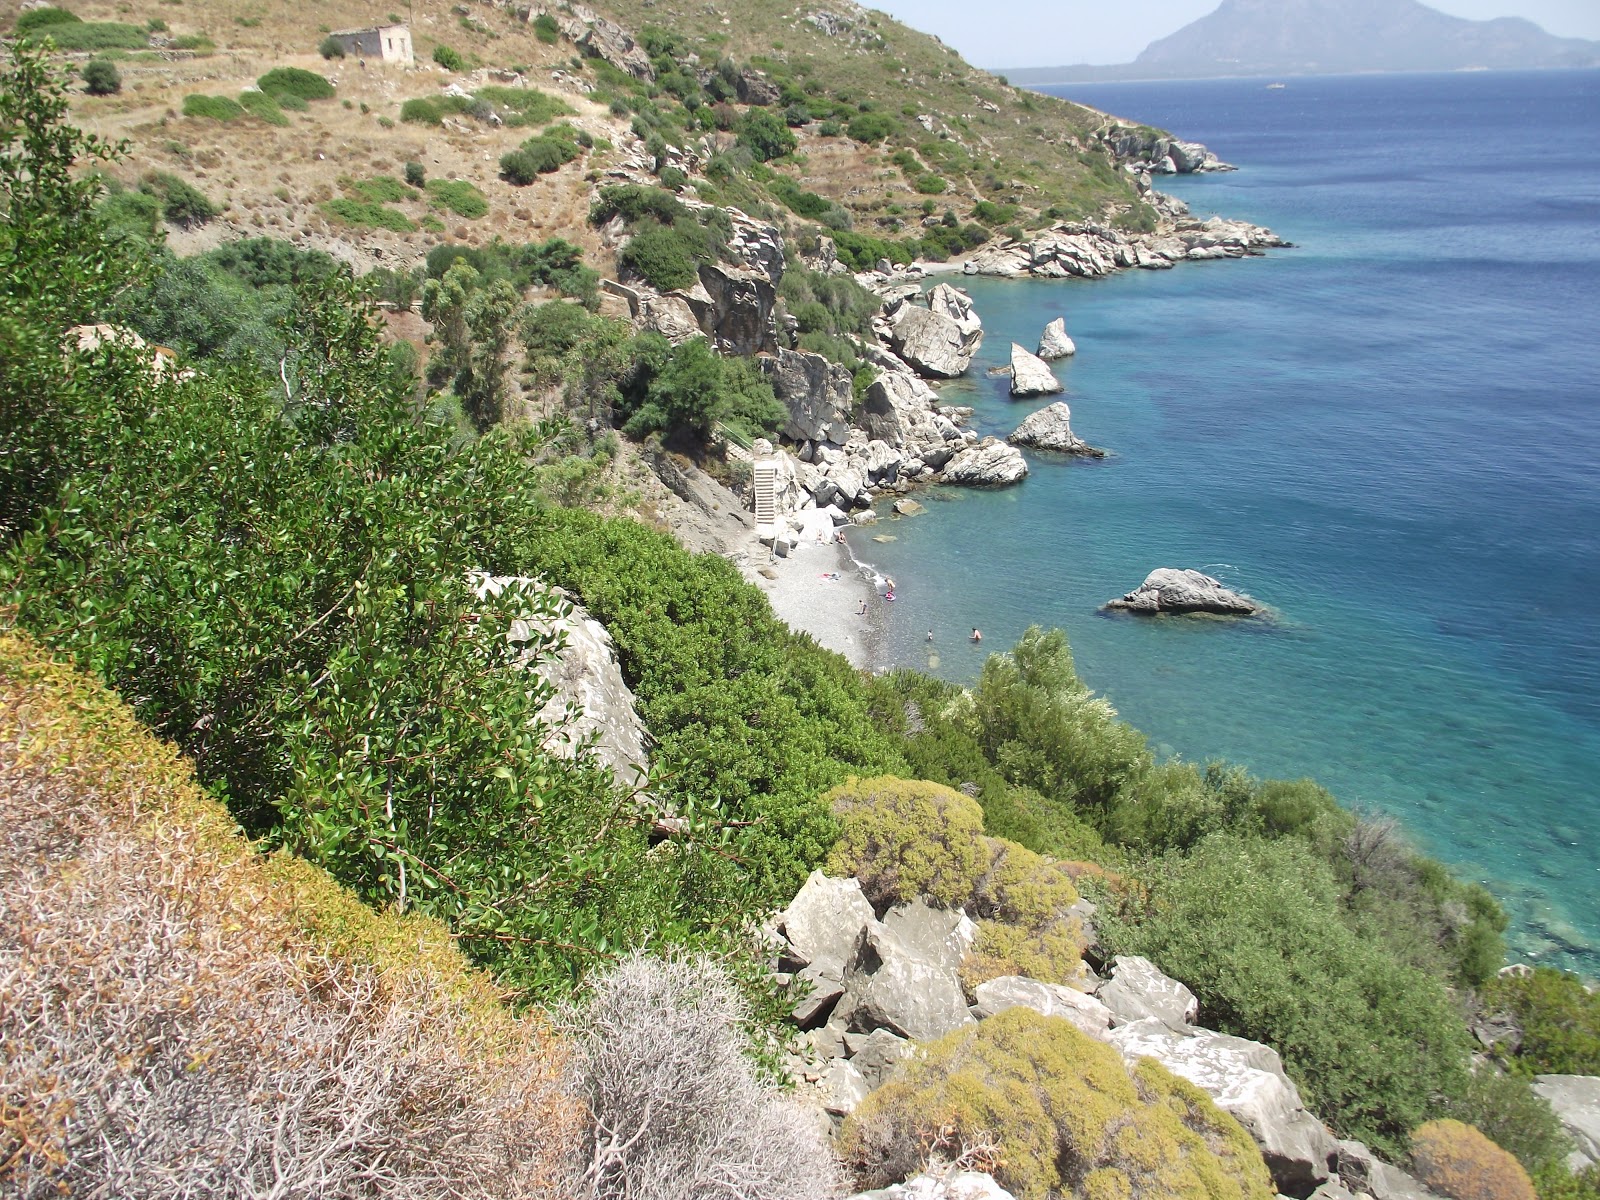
1051	429
1054	342
1576	1101
954	303
948	1185
1171	590
817	393
1051	999
1031	375
672	316
590	703
1147	149
991	463
892	987
596	37
1089	250
930	342
1364	1174
1138	991
1247	1080
734	307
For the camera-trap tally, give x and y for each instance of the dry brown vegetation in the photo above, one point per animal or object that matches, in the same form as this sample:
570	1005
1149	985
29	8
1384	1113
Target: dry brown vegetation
180	1016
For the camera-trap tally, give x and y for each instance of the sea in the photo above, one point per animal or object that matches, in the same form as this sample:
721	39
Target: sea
1390	434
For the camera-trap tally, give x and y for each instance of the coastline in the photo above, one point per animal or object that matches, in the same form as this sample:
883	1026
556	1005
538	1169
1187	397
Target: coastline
819	589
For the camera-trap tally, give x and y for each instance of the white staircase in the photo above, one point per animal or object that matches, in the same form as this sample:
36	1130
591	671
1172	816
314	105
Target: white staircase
764	481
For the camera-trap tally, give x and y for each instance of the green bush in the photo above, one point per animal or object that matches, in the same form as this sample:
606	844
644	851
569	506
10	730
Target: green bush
871	127
930	184
691	388
44	18
535	157
1506	1110
380	189
765	135
1069	1119
634	202
431	110
182	204
523	106
296	82
449	59
130	213
905	839
416	174
459	196
197	42
366	214
661	256
1373	1042
331	47
1560	1021
212	108
546	29
263	107
101	78
94	36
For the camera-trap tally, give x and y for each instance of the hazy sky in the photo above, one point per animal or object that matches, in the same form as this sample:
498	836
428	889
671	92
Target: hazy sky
1051	33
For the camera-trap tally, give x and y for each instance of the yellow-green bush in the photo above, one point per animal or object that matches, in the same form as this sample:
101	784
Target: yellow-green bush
904	839
1051	955
1456	1160
1060	1115
1021	887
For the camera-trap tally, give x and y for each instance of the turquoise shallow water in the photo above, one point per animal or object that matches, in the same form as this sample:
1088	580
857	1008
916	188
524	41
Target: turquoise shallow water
1390	434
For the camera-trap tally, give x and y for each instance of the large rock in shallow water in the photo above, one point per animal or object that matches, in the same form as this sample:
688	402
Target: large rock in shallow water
1170	590
988	464
1054	342
1051	429
1031	375
1247	1080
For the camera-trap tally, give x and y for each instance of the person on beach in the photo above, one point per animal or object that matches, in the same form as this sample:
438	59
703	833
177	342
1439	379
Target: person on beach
889	595
977	635
862	611
839	537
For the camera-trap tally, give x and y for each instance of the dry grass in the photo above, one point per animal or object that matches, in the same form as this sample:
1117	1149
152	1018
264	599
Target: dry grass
180	1017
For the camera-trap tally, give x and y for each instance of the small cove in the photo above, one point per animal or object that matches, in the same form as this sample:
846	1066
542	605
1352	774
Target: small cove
1389	434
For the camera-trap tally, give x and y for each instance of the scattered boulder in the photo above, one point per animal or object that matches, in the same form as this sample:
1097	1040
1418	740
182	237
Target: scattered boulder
1054	342
1576	1100
931	342
1051	429
817	393
1247	1080
954	1185
940	937
877	1054
1365	1173
891	988
906	507
1051	999
1171	590
990	463
826	920
1031	375
841	1088
1138	991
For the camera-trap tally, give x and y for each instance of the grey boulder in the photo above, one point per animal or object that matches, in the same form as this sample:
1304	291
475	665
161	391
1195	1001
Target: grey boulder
1051	429
1138	991
841	1088
990	463
946	1185
1171	590
817	394
1054	342
1366	1174
931	342
826	920
940	937
1051	999
1576	1100
891	988
1247	1080
876	1055
1031	375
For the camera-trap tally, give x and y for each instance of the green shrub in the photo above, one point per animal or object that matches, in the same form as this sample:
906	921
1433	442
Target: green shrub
182	204
1069	1119
1373	1042
416	174
101	78
1457	1161
263	107
546	29
930	184
459	196
331	47
523	106
212	108
765	135
1506	1110
44	18
905	839
364	213
661	256
130	213
380	189
431	110
94	36
197	42
690	388
1560	1021
296	82
871	127
449	59
634	202
535	157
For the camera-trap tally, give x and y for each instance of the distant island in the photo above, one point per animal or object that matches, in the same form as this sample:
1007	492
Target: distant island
1331	37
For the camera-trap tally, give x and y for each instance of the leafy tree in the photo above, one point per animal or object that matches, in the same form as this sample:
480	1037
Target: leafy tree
449	59
1560	1019
661	256
691	388
416	174
101	78
331	47
766	135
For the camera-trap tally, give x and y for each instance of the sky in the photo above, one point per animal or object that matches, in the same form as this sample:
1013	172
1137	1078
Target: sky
1053	33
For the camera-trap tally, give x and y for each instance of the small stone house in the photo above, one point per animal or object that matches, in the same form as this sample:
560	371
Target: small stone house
388	43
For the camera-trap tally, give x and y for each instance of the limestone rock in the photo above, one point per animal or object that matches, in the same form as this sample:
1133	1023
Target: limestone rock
900	411
671	316
597	37
906	507
1054	342
826	919
954	303
1576	1100
1366	1174
940	937
932	343
819	985
841	1088
877	1054
737	310
1051	999
817	393
1138	991
990	463
1246	1079
1171	590
1031	375
1051	429
891	988
955	1185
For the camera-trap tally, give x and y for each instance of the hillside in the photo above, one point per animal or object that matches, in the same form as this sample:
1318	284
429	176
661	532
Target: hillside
937	134
1323	37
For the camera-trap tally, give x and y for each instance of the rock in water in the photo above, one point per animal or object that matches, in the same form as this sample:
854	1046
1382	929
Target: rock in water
1031	375
988	464
1051	429
1054	342
1170	590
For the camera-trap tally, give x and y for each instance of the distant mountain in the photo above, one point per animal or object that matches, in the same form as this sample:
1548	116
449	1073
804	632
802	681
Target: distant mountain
1321	37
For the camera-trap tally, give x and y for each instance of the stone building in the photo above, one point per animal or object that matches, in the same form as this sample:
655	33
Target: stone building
388	43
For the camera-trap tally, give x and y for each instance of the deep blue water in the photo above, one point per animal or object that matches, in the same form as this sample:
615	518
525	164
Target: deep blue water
1391	434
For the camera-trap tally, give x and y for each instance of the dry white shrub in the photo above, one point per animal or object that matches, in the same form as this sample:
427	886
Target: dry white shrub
165	1033
678	1113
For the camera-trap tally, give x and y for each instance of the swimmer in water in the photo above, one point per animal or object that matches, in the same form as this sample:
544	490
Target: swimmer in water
977	635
